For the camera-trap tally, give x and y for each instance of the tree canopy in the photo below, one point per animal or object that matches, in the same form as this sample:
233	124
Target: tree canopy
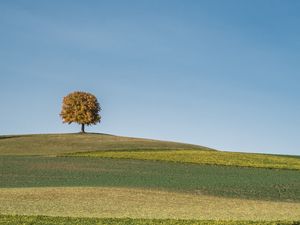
82	108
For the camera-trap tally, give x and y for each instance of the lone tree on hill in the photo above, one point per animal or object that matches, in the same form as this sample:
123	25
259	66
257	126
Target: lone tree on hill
82	108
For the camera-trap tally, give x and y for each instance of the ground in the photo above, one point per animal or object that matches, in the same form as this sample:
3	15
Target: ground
107	176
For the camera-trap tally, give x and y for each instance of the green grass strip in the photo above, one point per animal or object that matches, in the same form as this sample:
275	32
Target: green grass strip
46	220
203	157
54	144
225	181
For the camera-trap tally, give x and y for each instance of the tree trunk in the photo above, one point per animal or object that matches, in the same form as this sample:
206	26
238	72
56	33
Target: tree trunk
82	128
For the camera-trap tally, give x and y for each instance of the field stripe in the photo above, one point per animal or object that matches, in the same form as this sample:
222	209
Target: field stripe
202	157
139	203
48	220
223	181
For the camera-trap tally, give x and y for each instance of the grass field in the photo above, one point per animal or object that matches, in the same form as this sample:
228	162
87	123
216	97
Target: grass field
139	203
45	220
103	145
53	144
250	183
202	157
91	176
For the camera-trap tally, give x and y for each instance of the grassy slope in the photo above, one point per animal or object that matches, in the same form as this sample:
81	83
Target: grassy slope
53	144
202	157
251	183
25	162
102	145
139	203
45	220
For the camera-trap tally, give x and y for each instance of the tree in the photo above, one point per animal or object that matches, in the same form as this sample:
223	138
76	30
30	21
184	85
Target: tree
82	108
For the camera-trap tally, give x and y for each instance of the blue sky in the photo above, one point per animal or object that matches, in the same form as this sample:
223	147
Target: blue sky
223	74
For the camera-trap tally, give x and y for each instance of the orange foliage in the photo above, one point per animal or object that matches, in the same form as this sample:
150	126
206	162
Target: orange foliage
80	107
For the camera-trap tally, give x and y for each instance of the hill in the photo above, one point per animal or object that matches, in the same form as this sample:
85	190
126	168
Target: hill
54	144
108	176
112	146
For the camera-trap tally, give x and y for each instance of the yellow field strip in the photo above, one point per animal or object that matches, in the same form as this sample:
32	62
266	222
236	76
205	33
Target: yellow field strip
203	157
138	203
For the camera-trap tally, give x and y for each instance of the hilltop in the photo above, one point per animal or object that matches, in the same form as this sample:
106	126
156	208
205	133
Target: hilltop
53	144
112	146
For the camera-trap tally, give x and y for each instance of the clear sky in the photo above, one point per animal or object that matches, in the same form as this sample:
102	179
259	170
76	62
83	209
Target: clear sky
223	74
